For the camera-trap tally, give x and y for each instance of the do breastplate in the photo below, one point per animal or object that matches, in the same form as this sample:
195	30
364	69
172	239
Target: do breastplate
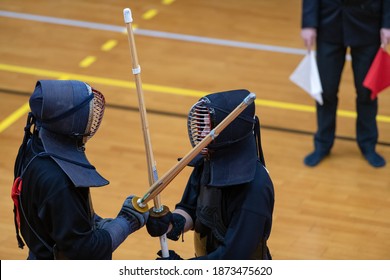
209	227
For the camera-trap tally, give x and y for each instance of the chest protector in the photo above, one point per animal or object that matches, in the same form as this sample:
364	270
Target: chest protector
210	228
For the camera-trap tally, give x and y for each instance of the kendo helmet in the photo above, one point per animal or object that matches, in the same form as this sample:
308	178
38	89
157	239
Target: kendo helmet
232	155
67	114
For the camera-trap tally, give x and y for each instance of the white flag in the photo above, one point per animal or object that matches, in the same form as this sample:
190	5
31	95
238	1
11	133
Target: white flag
307	77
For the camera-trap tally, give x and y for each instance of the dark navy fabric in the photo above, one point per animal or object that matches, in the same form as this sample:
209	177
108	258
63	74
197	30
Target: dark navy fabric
341	24
58	212
246	214
347	22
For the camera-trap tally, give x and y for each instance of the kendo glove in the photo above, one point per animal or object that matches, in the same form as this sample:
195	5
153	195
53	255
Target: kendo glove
136	218
172	256
178	223
127	221
159	221
158	224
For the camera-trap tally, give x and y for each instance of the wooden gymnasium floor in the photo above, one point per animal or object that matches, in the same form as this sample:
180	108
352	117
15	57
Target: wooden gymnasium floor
188	48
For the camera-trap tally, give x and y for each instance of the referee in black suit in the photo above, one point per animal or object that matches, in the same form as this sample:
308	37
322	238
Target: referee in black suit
335	25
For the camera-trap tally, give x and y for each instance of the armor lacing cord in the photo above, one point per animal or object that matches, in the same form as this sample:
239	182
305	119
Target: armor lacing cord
71	111
17	185
260	153
27	136
66	114
17	198
53	249
15	193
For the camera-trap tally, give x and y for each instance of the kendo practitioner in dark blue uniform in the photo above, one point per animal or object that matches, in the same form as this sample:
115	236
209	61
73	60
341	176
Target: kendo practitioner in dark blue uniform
53	176
229	197
335	25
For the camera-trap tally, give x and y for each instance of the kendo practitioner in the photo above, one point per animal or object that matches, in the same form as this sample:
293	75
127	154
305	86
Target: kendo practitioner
54	216
229	197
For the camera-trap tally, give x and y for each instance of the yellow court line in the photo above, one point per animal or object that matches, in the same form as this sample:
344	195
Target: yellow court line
86	62
64	77
109	45
167	2
167	90
22	111
150	14
285	105
98	80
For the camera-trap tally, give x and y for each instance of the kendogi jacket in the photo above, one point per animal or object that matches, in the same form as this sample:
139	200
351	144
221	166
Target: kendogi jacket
56	218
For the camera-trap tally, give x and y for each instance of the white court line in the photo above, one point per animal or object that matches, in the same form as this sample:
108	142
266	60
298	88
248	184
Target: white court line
154	33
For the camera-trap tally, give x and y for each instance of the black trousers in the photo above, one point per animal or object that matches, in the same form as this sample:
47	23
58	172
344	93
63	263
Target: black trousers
331	60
